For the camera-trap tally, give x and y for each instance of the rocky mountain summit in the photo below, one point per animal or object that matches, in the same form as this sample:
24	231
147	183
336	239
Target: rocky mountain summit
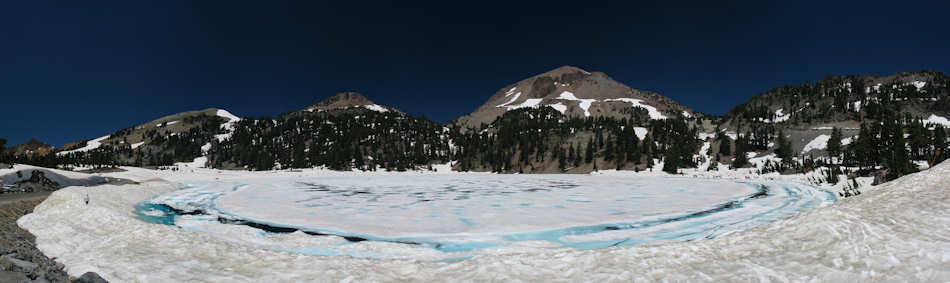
33	147
348	100
573	92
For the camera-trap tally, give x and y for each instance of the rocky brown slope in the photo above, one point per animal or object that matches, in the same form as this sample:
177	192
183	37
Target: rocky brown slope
349	100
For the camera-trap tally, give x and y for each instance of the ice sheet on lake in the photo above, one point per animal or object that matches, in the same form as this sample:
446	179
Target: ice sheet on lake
463	212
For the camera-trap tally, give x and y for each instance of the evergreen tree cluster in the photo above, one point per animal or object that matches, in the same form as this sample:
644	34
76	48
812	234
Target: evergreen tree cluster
339	140
522	140
161	149
837	98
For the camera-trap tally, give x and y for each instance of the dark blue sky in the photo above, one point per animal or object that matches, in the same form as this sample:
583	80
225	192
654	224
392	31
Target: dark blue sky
82	69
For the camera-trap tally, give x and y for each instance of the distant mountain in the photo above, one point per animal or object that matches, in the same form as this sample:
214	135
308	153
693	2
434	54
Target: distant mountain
174	138
573	92
807	111
847	98
348	101
345	131
33	147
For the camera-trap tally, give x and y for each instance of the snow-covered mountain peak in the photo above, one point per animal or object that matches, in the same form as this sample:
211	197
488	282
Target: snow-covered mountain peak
574	92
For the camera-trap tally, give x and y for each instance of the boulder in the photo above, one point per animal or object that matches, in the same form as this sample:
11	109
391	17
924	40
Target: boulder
10	276
90	277
22	264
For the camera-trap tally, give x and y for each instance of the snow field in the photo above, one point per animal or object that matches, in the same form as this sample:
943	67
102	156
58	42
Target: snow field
895	232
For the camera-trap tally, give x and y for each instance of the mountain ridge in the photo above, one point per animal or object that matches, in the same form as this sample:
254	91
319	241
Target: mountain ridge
522	127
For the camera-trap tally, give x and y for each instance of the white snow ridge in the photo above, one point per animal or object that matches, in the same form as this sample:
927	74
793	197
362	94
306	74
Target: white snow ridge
90	145
376	107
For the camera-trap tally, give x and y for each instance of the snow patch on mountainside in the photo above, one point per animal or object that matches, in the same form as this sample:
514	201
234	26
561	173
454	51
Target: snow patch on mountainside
584	103
560	107
529	103
228	126
159	125
820	142
654	114
136	145
780	116
641	132
90	145
376	107
934	119
510	101
231	118
510	91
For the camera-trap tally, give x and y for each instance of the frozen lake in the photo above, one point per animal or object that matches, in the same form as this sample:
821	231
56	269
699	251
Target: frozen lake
466	212
701	229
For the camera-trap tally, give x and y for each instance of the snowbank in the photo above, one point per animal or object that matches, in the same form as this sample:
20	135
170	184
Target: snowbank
61	177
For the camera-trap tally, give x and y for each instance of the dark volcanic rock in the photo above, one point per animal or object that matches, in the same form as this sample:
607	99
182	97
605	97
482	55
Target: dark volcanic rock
39	181
16	243
90	277
10	276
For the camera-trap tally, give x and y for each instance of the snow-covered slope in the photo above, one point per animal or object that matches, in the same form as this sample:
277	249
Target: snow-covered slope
90	145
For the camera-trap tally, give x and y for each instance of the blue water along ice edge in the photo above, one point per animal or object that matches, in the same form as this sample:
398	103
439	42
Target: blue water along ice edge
788	197
155	213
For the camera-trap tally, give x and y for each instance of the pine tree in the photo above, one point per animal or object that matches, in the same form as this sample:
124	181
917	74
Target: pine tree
920	141
620	154
783	148
725	145
671	159
561	159
834	143
898	160
649	160
571	156
300	159
3	143
740	159
589	156
862	148
609	150
940	145
577	157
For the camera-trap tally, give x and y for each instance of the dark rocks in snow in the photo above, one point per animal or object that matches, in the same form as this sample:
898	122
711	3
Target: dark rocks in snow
10	276
90	277
22	264
19	258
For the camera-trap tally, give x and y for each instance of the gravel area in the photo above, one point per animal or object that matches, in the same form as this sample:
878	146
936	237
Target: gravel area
20	261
